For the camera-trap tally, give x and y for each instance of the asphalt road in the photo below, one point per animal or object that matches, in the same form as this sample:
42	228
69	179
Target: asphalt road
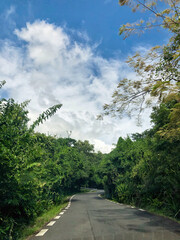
90	217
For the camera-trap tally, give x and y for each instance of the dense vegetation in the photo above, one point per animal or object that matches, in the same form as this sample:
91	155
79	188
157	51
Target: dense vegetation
144	170
37	171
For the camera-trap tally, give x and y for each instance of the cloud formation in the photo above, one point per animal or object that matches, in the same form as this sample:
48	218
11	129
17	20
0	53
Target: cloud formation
49	67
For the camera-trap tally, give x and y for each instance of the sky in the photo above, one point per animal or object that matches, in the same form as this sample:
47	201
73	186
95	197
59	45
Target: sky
70	52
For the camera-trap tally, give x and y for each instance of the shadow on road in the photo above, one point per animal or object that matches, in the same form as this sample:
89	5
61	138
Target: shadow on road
98	198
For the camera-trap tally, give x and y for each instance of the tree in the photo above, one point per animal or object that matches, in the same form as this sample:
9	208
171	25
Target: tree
145	171
157	71
21	167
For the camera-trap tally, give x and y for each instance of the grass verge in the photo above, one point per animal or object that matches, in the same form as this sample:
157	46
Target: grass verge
160	213
28	231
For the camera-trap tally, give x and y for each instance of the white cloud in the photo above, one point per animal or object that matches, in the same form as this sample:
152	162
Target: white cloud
50	68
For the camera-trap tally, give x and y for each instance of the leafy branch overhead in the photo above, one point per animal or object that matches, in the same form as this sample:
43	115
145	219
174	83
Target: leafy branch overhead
167	18
45	115
158	70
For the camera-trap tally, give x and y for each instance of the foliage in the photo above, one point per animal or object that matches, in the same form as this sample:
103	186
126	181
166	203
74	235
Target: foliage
36	171
145	170
167	17
45	115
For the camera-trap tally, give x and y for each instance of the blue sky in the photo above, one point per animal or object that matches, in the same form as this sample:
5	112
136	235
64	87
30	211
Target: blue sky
101	20
55	51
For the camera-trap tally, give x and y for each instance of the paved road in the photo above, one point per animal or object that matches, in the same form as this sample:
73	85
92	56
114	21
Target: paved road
92	218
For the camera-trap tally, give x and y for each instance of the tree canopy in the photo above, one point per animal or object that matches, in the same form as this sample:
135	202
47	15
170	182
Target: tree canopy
37	171
144	170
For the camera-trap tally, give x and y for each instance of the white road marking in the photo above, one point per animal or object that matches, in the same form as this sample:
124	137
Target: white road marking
72	197
132	207
51	223
41	233
68	206
142	210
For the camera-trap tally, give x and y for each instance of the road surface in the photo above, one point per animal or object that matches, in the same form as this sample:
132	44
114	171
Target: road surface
89	217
